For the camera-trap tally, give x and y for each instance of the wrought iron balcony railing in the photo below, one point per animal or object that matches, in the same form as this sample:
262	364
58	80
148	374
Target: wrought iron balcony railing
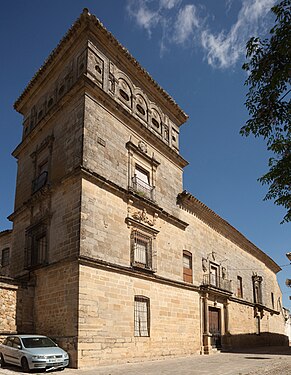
142	188
39	181
217	282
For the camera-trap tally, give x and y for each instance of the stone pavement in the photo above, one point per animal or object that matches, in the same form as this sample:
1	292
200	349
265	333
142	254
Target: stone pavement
265	361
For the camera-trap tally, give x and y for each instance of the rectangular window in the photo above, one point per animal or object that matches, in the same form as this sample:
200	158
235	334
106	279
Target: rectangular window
141	316
214	275
5	257
141	182
272	300
141	250
239	287
187	267
36	246
42	176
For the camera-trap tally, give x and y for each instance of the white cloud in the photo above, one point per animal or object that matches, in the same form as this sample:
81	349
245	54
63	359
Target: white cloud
179	23
169	4
223	50
143	15
186	22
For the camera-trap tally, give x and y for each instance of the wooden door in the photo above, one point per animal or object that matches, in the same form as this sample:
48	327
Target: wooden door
214	326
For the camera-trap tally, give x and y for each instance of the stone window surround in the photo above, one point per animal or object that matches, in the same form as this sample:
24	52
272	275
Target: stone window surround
138	157
36	245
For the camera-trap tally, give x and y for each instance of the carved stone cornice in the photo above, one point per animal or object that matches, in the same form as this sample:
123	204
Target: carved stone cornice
209	217
89	21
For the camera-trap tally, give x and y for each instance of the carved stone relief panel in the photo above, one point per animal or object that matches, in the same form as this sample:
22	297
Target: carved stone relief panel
96	67
156	121
124	92
81	63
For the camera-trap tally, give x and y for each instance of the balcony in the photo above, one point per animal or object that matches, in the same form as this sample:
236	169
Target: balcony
39	181
217	282
143	189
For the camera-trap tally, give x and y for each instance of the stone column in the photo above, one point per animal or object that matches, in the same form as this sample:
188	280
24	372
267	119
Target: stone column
206	334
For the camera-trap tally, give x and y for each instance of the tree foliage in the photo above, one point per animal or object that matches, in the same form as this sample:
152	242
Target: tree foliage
268	102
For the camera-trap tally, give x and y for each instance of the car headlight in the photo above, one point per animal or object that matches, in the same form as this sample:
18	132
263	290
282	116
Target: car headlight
38	357
66	356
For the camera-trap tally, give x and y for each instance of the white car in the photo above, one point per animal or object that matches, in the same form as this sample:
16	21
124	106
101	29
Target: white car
33	352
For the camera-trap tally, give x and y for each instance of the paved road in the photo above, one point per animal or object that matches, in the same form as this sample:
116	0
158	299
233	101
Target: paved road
262	362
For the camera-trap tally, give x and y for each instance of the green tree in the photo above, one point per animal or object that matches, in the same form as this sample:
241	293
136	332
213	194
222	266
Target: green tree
268	102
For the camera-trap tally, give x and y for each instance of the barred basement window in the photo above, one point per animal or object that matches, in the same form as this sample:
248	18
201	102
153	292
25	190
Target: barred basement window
36	246
141	250
5	257
141	316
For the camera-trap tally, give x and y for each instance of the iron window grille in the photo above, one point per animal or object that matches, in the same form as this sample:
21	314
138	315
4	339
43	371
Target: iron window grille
5	257
36	246
141	316
141	250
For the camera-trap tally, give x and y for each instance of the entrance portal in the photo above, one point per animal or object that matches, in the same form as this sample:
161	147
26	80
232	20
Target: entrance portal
214	326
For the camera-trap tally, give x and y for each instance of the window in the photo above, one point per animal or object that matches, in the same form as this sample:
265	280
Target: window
36	246
239	287
41	178
187	267
272	300
214	274
257	289
5	257
141	250
142	170
141	182
141	316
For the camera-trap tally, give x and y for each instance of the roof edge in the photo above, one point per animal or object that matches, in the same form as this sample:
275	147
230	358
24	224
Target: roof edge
85	18
212	219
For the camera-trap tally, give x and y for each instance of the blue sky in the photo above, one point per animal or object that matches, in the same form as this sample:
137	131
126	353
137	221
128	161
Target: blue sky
194	49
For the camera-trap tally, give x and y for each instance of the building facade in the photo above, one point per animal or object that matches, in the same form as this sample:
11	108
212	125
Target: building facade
112	258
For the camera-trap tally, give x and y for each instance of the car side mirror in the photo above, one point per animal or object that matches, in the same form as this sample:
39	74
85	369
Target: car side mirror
19	347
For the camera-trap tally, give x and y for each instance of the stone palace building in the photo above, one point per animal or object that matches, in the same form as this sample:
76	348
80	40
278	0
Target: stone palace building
108	254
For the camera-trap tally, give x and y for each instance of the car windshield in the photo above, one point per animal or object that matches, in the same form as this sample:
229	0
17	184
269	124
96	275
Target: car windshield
38	342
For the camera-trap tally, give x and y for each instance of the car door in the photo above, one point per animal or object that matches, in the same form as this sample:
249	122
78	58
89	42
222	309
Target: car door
7	350
17	350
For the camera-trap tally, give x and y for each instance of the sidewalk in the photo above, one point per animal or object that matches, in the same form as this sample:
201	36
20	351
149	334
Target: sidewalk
263	361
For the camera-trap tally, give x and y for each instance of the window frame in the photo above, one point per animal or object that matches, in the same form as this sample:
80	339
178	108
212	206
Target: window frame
188	271
138	299
36	249
139	236
5	260
239	287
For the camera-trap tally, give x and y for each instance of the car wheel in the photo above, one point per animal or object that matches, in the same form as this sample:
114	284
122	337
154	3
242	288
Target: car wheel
2	362
24	364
